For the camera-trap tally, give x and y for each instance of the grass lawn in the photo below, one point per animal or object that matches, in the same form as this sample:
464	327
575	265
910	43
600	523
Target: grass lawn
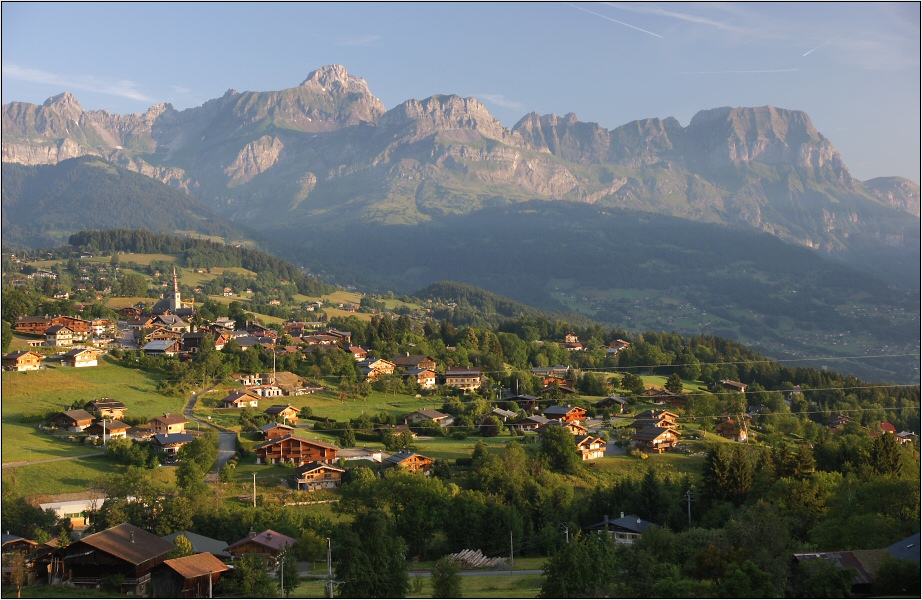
503	585
71	475
57	388
57	591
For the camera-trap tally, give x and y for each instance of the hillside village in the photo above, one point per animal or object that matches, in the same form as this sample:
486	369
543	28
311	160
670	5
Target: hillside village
376	404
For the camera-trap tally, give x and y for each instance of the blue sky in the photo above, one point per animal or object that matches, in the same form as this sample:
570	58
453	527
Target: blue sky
853	67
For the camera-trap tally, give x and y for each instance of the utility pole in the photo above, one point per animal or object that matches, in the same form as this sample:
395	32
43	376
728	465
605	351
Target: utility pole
254	490
330	567
688	497
566	531
511	553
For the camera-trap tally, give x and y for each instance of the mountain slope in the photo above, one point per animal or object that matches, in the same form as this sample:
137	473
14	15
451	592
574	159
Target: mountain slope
42	205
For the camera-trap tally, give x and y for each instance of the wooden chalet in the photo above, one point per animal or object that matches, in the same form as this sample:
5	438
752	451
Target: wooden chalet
22	360
168	424
108	429
376	368
358	352
106	408
80	327
409	362
162	348
268	545
530	423
656	439
590	447
240	399
271	431
162	333
732	386
317	476
623	530
34	325
524	401
123	550
201	543
655	418
732	429
426	414
59	335
294	449
569	414
187	577
72	420
286	412
425	378
465	378
613	402
14	544
415	463
171	443
80	357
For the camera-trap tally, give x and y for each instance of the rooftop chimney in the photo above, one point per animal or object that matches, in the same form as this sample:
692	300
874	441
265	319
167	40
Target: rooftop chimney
622	515
131	534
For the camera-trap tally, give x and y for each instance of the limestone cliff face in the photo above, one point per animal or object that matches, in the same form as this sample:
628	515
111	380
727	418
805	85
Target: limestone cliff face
255	158
896	192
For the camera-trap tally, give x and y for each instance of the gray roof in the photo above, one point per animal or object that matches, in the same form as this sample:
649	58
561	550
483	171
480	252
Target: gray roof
163	439
200	543
907	549
159	345
629	523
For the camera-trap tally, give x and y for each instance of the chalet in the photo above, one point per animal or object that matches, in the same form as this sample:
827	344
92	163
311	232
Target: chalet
613	402
656	439
590	447
317	476
59	335
415	463
14	544
617	346
571	346
162	348
555	371
732	430
259	330
225	322
107	429
168	424
268	545
240	399
554	385
191	341
80	327
732	386
187	577
624	530
286	412
35	325
201	543
22	360
319	339
123	550
358	352
655	418
570	414
413	361
162	333
72	420
425	378
523	401
293	449
441	419
839	420
171	443
271	431
375	368
80	357
465	378
530	423
570	338
107	408
345	337
502	414
172	322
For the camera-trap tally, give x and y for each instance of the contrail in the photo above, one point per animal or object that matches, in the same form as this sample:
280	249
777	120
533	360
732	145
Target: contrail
821	45
615	20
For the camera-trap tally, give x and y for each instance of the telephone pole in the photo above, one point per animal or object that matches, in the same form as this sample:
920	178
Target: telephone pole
254	490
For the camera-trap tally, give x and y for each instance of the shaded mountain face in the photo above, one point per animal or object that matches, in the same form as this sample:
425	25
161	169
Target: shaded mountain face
327	153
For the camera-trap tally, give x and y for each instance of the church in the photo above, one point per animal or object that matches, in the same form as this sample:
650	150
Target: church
173	304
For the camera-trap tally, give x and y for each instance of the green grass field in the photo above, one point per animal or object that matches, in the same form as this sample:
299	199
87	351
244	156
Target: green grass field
57	388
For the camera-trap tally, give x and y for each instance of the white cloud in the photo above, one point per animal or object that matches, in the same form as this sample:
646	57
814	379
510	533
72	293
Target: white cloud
123	88
500	100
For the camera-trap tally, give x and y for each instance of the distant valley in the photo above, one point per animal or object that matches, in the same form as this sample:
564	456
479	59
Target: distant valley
745	223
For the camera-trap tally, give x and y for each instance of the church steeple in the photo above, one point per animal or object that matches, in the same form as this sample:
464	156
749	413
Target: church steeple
175	299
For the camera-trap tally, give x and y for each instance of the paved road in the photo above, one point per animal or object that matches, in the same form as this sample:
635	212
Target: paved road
227	442
48	460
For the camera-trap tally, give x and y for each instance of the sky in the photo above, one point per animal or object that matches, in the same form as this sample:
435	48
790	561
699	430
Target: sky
853	67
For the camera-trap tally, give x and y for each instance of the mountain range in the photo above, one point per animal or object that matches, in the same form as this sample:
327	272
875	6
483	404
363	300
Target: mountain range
329	178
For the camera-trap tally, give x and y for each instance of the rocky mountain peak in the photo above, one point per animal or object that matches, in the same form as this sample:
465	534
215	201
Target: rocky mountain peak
446	112
65	104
